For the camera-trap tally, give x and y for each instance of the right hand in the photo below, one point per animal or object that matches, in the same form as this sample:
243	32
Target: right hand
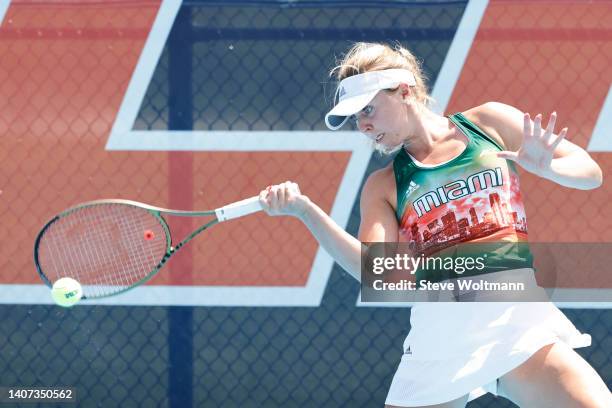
283	199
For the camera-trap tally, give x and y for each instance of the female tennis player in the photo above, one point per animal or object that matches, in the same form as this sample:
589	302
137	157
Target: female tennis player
464	164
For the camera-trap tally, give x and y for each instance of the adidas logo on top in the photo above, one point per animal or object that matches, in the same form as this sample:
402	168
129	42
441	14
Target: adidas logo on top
411	187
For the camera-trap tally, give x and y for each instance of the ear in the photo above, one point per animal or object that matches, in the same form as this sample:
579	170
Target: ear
405	91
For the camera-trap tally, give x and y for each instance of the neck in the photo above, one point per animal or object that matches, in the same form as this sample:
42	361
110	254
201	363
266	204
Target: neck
429	131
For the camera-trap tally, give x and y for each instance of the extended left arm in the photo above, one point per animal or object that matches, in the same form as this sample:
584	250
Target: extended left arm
540	151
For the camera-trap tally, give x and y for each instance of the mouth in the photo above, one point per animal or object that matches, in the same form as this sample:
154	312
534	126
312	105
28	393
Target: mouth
379	137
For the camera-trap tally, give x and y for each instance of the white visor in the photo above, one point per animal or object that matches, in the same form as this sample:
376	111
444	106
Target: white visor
356	91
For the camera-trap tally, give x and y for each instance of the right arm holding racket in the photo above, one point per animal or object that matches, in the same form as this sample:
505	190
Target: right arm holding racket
378	223
111	246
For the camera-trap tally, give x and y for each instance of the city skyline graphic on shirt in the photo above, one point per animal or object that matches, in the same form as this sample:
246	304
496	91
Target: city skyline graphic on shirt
486	206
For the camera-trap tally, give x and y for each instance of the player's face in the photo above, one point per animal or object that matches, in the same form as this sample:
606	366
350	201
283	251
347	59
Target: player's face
384	119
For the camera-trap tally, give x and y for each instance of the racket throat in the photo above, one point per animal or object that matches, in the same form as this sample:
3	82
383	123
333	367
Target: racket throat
167	256
172	249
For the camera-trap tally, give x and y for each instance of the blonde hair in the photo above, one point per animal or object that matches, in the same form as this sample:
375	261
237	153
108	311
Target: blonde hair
364	57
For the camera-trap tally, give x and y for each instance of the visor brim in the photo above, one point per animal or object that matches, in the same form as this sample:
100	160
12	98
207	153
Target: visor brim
339	115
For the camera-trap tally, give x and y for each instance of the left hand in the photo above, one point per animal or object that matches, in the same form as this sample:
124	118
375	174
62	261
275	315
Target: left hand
536	152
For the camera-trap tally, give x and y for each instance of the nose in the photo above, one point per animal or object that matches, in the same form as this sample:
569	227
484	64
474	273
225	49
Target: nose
364	126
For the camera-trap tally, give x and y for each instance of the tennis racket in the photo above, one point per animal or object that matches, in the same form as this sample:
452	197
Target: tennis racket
111	246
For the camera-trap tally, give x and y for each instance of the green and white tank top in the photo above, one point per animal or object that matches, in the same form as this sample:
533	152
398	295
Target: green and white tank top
470	206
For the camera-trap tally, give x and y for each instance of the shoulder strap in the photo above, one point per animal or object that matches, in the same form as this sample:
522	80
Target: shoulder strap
471	129
403	167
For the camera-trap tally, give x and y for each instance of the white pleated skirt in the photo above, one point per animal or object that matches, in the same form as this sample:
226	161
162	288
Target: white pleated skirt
454	349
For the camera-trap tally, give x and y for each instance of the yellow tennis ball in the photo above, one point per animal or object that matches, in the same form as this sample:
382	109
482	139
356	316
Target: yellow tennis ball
66	292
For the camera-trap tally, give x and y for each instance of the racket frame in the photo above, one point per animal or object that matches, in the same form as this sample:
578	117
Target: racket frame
157	212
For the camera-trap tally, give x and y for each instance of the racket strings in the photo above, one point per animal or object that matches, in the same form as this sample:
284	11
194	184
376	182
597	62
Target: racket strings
107	247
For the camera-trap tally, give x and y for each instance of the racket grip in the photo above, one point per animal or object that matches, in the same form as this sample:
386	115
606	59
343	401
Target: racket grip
238	209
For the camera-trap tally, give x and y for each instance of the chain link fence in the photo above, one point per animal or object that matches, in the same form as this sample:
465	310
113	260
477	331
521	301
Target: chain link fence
241	66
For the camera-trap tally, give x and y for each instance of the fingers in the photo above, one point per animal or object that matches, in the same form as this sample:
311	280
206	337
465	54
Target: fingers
537	126
273	198
534	129
550	128
548	134
527	130
281	194
277	199
558	139
263	198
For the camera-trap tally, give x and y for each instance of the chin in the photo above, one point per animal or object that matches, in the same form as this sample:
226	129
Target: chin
384	149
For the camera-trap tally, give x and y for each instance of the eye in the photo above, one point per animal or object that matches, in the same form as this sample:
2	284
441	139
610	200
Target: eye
368	110
365	112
